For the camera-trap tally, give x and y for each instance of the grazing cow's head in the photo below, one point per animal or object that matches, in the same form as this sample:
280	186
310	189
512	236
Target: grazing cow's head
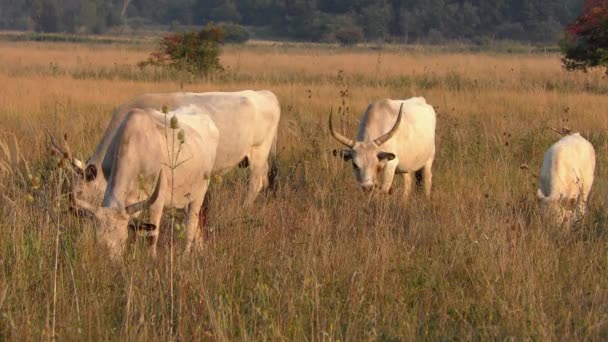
89	185
113	223
556	211
367	157
85	182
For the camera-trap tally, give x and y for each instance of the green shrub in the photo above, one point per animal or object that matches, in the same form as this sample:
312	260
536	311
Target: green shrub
194	52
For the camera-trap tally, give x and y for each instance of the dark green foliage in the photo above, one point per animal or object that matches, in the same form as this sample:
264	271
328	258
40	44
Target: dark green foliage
349	35
48	18
235	33
194	52
71	16
539	21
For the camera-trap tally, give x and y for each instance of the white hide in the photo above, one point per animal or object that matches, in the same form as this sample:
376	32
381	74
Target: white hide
566	177
247	122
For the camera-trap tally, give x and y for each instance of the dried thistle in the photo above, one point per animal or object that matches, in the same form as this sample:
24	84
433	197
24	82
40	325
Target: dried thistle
173	123
181	136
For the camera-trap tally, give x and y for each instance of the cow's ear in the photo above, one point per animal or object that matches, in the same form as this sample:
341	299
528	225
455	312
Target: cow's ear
90	173
346	154
385	156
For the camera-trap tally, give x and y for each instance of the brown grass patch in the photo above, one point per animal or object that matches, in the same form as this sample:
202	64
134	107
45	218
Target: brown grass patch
321	260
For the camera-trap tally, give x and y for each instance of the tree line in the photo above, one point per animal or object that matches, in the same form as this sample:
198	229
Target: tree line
430	21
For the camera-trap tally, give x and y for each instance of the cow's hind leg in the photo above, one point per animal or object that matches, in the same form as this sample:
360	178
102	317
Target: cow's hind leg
203	216
258	168
270	181
427	178
257	172
407	185
419	177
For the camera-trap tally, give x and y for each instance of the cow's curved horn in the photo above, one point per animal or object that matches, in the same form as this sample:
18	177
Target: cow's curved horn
77	163
139	206
342	139
387	136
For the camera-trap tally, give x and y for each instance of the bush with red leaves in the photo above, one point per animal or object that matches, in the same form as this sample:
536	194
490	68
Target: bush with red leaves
194	52
586	40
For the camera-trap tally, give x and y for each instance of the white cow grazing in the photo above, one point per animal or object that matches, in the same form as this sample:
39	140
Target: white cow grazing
394	136
145	147
566	177
247	121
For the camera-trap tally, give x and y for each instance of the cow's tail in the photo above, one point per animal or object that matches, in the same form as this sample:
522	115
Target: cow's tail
273	170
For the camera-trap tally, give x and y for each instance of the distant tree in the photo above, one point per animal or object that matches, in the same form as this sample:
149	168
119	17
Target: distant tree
410	24
15	14
194	52
177	13
310	20
586	40
226	11
508	30
465	20
375	20
48	17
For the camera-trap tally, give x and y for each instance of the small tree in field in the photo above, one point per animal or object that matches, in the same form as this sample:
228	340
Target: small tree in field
195	52
586	43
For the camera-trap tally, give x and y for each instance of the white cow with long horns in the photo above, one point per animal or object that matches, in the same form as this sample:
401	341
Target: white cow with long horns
247	121
394	136
183	159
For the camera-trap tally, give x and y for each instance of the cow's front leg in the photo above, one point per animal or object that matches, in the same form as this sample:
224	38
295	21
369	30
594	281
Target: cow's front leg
387	175
153	229
194	234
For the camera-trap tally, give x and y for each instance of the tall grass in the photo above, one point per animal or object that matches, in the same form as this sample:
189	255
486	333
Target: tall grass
320	260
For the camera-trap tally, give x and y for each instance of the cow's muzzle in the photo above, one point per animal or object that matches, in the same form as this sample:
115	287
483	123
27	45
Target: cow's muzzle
367	187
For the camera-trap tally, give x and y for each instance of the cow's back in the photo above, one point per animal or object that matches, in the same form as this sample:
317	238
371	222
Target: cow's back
144	144
245	119
568	168
154	101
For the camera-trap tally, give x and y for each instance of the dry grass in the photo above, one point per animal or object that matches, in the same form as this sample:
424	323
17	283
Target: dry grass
320	261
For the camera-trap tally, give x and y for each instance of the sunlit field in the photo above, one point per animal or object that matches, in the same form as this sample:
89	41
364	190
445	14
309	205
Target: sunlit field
319	260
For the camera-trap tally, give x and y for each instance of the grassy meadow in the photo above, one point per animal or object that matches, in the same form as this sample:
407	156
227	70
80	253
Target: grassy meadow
320	260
